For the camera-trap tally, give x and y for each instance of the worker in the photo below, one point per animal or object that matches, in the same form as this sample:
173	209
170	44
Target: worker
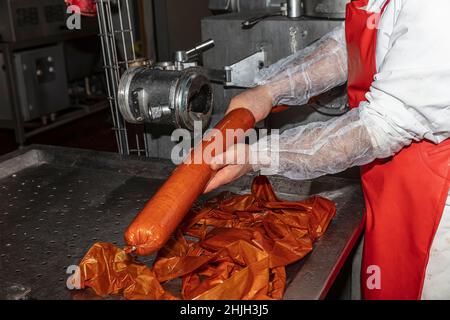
394	55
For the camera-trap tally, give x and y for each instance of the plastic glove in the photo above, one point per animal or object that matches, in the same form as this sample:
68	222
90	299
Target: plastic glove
309	72
320	148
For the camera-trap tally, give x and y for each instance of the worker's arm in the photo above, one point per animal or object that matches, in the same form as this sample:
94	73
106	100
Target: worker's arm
295	79
409	101
304	152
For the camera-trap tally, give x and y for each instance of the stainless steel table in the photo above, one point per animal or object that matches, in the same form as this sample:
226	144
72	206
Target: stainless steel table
56	202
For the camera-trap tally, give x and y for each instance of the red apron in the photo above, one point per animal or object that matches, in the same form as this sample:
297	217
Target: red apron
405	195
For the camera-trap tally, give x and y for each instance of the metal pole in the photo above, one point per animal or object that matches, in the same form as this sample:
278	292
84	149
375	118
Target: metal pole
15	106
112	70
104	45
294	8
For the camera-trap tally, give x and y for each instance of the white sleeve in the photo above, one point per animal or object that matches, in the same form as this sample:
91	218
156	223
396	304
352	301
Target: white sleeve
308	72
315	149
409	101
410	97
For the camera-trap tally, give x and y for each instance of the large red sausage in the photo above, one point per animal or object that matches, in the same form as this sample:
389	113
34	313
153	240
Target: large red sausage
153	226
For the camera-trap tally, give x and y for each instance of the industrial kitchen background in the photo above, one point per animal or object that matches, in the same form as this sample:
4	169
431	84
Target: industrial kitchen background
195	54
181	81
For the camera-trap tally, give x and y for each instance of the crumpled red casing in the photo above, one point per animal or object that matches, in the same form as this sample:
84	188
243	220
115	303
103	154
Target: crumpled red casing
233	247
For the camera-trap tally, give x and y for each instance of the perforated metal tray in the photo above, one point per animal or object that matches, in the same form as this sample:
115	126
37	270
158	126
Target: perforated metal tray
56	202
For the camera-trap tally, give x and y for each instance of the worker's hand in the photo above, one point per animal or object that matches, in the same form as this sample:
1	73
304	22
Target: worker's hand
257	100
229	166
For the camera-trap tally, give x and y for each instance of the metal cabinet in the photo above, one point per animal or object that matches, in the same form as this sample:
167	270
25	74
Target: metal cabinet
40	74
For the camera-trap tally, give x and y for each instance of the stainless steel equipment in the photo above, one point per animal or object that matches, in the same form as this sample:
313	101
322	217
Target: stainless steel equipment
325	8
164	95
277	36
242	5
40	74
176	93
55	203
31	33
179	92
312	8
150	94
186	56
117	39
5	100
294	8
162	80
291	9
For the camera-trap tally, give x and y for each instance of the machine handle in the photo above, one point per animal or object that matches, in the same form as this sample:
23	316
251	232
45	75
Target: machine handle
185	56
290	9
250	23
202	47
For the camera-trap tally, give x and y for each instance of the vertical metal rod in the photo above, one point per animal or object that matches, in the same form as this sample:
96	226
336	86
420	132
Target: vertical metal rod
112	39
119	4
131	29
107	64
114	72
112	48
16	111
138	147
99	5
147	151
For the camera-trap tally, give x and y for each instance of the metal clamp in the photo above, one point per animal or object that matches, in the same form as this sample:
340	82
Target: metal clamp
242	74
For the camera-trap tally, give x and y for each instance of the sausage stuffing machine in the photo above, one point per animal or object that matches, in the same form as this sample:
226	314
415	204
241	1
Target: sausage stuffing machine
242	38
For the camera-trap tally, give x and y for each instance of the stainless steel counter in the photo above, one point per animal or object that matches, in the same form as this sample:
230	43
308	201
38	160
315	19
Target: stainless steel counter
56	202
